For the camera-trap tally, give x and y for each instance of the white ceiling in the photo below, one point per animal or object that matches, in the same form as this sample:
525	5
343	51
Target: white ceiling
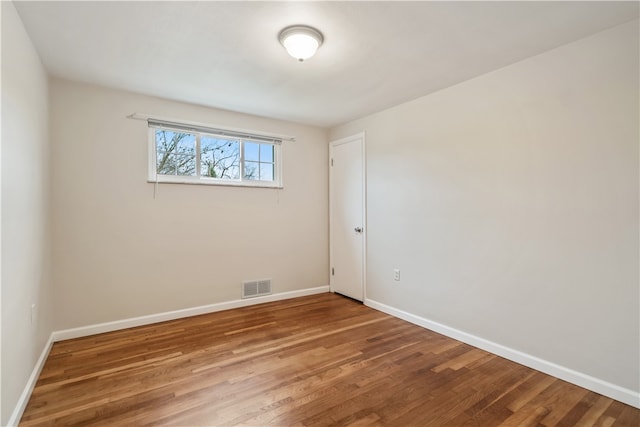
227	55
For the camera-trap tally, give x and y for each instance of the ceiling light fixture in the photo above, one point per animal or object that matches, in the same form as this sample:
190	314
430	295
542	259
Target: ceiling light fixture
301	41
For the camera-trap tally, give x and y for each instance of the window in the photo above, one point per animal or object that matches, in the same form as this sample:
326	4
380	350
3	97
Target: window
184	154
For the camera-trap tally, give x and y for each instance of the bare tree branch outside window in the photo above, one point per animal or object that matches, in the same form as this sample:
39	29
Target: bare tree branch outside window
220	158
176	152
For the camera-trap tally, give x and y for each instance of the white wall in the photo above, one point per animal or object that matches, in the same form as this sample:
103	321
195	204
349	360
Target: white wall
120	253
26	236
510	204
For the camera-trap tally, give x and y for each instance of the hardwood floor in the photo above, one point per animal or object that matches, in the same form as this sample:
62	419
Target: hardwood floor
318	360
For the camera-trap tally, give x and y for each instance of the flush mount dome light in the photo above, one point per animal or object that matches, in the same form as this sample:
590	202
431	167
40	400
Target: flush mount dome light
301	41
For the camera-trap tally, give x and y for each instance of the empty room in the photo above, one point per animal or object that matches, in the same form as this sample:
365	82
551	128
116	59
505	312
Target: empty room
311	213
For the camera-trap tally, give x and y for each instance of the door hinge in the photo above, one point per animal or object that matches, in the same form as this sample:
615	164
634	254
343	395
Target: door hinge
331	162
333	273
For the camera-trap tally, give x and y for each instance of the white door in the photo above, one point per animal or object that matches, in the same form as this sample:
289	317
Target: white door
347	219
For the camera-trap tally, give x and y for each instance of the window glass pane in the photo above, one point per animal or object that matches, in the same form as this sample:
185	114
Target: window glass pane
266	153
186	164
219	158
251	170
176	153
266	171
251	151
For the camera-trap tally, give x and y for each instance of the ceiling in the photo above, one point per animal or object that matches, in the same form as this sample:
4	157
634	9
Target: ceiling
375	55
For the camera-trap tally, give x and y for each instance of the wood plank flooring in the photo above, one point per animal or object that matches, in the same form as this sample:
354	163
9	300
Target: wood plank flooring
319	360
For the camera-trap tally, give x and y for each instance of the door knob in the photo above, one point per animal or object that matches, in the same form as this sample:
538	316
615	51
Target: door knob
358	229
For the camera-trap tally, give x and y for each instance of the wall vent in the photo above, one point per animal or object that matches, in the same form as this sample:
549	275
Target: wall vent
256	288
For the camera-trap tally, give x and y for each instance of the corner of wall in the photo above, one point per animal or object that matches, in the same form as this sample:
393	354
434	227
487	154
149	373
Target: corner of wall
26	275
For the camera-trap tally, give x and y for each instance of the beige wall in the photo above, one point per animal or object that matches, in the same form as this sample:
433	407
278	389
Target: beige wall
510	204
120	253
26	241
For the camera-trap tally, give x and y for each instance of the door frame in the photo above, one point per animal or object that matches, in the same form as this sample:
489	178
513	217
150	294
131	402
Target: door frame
332	144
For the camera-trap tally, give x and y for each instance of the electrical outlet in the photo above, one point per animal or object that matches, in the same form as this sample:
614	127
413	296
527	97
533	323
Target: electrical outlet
396	274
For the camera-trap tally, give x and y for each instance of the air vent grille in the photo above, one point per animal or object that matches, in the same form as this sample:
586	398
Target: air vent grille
256	288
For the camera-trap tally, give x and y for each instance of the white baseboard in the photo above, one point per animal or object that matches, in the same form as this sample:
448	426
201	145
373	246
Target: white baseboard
14	419
100	328
140	321
605	388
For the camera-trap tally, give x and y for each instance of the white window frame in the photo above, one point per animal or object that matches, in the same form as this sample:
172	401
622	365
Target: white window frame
155	177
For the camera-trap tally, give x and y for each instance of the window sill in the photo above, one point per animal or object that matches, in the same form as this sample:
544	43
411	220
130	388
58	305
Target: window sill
219	183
